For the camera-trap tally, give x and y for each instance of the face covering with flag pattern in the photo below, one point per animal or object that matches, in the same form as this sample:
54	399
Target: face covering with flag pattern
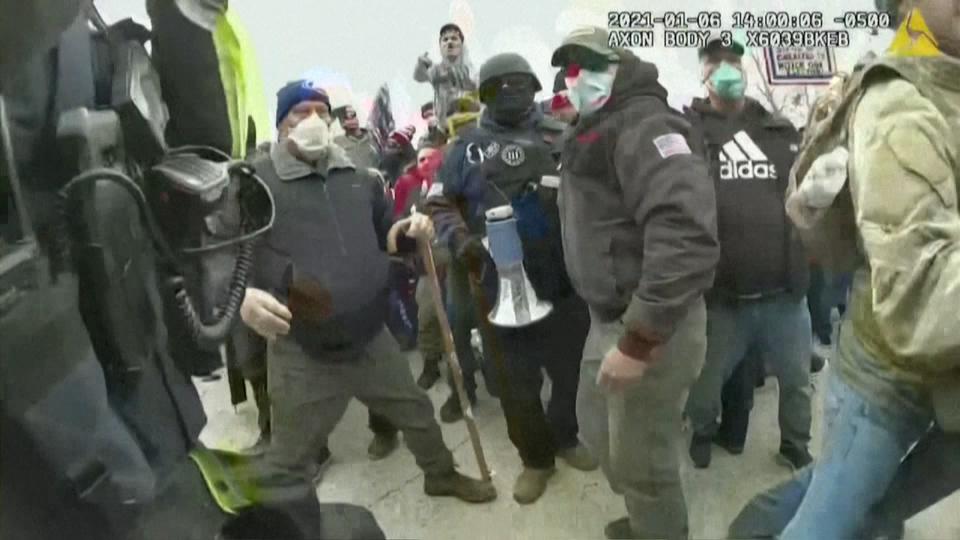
589	91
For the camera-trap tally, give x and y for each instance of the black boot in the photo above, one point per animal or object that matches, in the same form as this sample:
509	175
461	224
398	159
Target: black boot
793	457
700	450
431	371
619	529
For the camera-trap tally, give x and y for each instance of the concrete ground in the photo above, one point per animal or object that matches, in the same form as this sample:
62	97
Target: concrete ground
577	505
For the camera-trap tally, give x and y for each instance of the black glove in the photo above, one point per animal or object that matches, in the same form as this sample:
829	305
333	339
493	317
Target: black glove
471	250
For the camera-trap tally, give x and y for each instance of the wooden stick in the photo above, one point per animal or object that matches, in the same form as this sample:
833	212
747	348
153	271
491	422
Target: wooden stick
453	363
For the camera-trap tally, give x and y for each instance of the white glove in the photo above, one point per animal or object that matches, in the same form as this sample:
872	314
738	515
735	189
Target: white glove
825	179
418	226
264	314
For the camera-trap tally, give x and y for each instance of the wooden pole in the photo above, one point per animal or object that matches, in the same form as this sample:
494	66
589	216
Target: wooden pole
453	363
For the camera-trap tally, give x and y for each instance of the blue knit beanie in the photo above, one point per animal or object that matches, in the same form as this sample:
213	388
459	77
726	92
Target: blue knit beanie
295	93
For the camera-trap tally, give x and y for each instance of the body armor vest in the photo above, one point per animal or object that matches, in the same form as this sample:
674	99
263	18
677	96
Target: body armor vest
519	170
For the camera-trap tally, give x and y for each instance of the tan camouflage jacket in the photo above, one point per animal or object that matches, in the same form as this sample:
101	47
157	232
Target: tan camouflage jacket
904	179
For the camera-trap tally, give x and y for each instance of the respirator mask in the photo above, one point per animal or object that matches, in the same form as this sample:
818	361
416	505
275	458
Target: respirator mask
312	138
726	80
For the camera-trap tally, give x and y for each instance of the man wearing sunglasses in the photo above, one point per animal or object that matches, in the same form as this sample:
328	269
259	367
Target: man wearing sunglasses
506	161
640	241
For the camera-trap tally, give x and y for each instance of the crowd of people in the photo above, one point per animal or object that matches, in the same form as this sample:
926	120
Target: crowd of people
676	276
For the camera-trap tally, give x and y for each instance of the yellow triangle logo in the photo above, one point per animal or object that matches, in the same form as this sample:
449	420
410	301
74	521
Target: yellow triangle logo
914	38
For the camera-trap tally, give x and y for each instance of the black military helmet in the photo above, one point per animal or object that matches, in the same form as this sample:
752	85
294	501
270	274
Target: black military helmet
505	64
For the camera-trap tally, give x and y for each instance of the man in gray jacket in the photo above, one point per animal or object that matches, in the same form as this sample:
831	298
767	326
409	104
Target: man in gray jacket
640	241
452	78
356	141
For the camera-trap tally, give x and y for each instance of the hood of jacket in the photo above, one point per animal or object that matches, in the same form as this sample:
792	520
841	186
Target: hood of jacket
635	79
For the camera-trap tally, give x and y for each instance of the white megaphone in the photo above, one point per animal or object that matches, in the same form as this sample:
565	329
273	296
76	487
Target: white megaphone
517	302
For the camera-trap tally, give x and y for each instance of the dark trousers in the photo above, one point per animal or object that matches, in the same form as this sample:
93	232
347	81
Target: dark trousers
553	345
929	474
462	313
736	400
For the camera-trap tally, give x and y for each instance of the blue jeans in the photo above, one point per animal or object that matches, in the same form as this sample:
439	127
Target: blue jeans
827	291
778	330
832	499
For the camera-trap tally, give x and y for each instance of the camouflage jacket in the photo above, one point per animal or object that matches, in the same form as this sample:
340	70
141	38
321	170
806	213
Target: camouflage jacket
902	347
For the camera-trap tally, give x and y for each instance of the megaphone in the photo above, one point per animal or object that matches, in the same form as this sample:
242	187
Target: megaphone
517	302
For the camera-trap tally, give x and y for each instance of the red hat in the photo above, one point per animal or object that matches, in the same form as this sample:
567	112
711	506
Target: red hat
403	136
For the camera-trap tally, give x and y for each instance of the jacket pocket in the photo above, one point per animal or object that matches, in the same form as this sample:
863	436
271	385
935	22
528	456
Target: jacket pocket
626	261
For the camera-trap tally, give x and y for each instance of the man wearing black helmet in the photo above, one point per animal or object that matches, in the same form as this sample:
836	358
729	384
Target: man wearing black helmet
507	162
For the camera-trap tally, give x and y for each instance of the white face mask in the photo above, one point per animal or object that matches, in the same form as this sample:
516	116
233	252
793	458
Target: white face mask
312	138
590	90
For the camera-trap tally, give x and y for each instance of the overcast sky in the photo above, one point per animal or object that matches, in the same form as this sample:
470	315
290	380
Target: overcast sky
370	42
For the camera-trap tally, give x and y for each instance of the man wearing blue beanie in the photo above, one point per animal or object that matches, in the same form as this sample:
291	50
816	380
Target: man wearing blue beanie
319	296
296	92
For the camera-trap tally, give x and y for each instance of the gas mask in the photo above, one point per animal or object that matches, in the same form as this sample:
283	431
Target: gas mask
727	81
588	90
312	138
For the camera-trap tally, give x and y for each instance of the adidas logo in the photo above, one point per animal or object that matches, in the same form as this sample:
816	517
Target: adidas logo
742	159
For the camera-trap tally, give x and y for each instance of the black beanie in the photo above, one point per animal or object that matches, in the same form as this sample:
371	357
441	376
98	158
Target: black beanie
451	26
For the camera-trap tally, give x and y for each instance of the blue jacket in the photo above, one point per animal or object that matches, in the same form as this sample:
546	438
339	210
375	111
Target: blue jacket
499	165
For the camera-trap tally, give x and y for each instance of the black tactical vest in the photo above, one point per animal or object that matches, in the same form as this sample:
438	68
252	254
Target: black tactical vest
520	170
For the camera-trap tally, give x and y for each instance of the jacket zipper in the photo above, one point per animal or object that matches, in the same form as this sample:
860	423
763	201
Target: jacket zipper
336	222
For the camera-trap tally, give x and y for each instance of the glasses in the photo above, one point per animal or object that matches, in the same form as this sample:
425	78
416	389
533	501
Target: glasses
586	59
516	81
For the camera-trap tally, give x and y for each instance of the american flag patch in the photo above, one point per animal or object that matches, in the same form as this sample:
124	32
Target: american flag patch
671	144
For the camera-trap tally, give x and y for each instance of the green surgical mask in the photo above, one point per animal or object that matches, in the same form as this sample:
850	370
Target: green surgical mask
728	82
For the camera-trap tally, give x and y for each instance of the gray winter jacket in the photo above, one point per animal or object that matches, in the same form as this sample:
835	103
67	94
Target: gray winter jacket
638	210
